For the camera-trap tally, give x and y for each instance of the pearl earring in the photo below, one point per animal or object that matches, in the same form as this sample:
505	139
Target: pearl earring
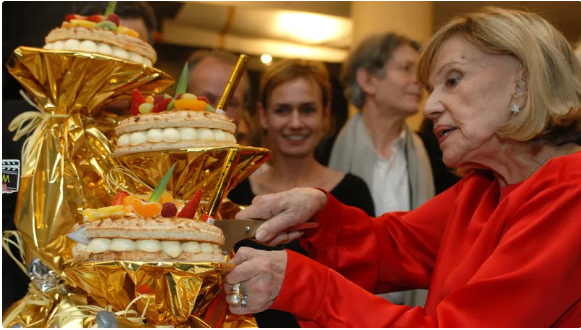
515	109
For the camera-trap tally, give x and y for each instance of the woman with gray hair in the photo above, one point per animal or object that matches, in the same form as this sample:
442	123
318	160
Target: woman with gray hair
499	249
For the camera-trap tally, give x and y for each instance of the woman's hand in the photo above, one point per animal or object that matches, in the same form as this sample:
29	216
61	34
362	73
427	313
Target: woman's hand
260	274
283	211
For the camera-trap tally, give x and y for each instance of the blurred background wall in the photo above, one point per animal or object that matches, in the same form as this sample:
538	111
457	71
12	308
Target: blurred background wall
270	30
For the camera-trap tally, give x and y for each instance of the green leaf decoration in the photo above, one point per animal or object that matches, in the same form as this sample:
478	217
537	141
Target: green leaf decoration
183	82
182	85
156	194
110	8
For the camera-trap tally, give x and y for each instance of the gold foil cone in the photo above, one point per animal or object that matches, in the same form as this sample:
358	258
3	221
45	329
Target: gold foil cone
76	82
214	170
69	157
178	292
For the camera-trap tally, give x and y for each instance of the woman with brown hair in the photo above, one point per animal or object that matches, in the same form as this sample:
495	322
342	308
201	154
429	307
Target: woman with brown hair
295	111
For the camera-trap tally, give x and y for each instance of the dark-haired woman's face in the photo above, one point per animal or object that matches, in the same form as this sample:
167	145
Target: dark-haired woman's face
294	117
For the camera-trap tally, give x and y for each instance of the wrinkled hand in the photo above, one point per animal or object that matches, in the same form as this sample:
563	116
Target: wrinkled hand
260	274
283	211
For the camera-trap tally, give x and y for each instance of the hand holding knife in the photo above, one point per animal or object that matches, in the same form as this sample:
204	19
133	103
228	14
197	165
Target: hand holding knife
238	230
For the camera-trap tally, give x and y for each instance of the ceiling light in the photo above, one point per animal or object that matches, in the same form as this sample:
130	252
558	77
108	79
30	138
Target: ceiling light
266	58
308	27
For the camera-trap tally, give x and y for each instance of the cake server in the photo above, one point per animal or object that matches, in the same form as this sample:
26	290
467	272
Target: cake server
238	230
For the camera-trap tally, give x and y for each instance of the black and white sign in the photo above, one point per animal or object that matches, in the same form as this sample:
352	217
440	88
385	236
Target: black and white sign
10	175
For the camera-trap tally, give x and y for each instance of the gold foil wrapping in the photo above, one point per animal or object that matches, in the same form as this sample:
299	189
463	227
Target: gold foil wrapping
69	158
178	291
67	170
37	308
213	170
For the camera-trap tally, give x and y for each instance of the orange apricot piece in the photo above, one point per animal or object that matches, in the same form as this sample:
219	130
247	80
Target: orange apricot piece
145	209
193	105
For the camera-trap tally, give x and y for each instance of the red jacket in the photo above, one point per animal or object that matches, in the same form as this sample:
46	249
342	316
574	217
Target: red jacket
490	256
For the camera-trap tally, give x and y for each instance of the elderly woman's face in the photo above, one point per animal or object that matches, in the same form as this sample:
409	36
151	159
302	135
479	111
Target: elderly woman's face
471	93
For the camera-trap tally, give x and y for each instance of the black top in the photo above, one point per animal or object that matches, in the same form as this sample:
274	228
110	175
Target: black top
351	191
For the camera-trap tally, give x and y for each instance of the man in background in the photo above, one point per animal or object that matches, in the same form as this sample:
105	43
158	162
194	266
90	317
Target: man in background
377	144
209	73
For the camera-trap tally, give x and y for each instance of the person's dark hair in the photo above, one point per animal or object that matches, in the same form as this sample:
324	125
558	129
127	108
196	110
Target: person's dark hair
123	9
222	56
371	54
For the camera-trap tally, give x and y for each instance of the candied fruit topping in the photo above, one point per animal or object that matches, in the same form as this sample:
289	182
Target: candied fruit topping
145	209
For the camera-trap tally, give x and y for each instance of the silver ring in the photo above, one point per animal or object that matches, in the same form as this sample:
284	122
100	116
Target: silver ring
244	301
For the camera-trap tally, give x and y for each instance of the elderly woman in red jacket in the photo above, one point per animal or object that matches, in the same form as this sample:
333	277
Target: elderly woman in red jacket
502	248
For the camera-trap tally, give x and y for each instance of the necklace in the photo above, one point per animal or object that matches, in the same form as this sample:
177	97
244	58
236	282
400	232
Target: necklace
541	163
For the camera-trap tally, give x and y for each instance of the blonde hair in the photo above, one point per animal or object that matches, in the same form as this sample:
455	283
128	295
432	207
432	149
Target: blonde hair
552	111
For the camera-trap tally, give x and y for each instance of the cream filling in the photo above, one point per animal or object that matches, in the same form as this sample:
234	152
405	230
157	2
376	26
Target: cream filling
102	48
171	248
155	135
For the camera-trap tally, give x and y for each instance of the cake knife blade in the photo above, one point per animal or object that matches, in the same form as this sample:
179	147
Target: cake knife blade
238	230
